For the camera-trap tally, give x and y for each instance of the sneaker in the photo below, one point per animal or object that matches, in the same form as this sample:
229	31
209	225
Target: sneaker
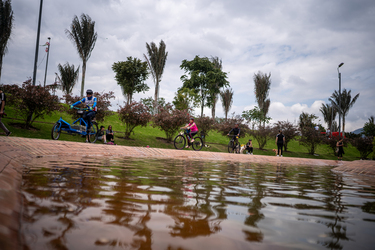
8	134
187	146
277	155
281	155
87	141
192	140
247	153
251	153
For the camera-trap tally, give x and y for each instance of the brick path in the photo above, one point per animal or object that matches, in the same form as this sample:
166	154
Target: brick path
15	152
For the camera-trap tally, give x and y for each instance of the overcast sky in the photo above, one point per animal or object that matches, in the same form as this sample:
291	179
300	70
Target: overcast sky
300	43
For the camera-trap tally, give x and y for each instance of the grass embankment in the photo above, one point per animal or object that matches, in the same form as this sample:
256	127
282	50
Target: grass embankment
144	136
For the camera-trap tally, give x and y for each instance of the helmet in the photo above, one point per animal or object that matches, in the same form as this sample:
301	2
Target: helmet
191	118
89	92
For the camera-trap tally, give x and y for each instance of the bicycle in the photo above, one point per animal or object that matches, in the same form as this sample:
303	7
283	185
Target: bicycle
179	141
233	145
77	127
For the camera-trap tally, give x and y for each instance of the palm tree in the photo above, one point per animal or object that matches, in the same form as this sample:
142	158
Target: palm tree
346	103
329	114
6	25
218	64
227	100
156	62
262	83
83	36
68	77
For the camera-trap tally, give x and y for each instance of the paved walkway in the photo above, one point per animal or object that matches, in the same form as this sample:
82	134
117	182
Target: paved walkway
15	152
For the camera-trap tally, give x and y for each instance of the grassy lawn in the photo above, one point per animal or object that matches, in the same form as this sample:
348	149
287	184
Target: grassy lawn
154	137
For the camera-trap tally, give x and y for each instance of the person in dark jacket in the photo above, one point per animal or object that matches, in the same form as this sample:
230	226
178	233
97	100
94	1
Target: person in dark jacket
340	147
280	140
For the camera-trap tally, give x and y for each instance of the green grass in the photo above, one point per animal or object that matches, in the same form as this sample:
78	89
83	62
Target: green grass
148	135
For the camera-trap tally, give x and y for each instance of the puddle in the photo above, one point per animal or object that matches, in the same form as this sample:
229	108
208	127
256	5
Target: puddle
183	204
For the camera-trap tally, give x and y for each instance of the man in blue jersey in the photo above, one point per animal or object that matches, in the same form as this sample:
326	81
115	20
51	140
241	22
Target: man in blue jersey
90	102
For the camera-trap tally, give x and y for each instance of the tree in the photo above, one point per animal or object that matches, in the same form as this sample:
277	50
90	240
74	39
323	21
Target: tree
103	102
149	102
133	115
82	34
6	25
170	120
203	79
262	83
310	138
68	77
226	100
369	127
255	116
32	102
289	130
329	114
131	75
205	124
223	126
156	62
262	134
364	145
346	103
218	64
186	99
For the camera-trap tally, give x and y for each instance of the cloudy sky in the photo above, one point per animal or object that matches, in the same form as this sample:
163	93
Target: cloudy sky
300	43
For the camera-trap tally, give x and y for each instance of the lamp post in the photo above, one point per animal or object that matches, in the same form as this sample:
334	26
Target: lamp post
45	74
37	42
338	70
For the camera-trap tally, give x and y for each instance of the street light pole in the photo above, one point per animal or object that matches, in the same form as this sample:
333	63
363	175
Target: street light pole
37	42
45	74
338	70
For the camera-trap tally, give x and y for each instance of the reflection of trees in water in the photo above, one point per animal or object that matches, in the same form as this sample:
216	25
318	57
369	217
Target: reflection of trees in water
68	191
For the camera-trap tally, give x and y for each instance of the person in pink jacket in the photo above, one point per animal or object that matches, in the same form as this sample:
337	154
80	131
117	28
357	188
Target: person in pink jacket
191	129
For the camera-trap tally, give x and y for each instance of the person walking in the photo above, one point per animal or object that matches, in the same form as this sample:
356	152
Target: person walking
280	140
340	147
2	111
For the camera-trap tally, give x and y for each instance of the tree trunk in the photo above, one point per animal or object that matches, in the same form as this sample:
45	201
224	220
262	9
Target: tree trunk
213	109
1	65
156	96
83	77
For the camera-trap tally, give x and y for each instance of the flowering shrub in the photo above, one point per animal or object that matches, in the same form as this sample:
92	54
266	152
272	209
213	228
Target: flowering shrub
31	101
102	102
205	124
223	126
170	120
133	115
289	130
364	145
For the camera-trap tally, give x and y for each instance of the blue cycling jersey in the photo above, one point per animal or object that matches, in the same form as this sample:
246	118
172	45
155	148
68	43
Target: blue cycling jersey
89	101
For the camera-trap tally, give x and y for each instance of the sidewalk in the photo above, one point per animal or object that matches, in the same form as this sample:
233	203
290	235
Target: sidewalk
15	152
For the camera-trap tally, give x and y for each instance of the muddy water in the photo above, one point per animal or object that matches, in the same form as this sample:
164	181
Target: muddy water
161	204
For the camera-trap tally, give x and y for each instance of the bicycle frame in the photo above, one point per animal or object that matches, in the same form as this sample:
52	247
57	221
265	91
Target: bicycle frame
64	126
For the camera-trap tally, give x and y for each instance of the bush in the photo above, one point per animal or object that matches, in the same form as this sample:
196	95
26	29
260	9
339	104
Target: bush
170	120
31	101
102	102
133	115
205	124
310	139
289	130
364	145
262	134
223	126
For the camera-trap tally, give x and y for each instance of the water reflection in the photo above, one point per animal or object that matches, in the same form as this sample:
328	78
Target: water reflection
154	204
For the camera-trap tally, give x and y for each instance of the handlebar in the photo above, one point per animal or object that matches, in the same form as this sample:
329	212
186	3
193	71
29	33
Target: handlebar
84	109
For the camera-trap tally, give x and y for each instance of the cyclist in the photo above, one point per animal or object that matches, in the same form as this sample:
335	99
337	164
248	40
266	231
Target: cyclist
236	132
90	102
191	129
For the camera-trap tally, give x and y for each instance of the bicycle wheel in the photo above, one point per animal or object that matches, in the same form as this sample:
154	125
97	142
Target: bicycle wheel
93	134
230	147
56	131
179	142
197	144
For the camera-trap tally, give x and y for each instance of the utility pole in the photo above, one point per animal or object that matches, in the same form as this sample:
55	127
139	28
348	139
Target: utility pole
37	42
47	50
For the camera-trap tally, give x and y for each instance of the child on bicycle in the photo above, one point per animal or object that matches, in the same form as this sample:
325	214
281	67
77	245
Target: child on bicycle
90	102
236	132
191	129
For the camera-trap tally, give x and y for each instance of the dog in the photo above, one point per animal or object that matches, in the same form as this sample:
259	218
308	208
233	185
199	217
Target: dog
275	150
242	149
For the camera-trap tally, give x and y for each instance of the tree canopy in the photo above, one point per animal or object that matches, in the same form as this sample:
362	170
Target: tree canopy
131	75
6	26
204	78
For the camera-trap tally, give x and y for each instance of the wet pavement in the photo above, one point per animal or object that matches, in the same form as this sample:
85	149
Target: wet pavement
17	152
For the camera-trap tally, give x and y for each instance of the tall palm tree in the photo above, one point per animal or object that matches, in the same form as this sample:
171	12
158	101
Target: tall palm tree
156	62
6	25
346	103
262	84
82	34
218	64
227	100
68	77
329	114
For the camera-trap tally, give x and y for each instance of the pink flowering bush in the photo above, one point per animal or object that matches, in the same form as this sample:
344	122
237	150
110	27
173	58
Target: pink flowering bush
133	115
